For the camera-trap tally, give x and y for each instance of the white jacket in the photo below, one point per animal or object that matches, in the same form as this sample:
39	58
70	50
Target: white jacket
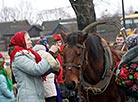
49	85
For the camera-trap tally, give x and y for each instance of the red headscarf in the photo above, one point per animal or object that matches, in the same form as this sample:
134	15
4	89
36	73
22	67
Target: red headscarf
18	44
56	37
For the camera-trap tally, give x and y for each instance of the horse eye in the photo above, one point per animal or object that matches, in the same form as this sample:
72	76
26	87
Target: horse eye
63	66
79	47
78	54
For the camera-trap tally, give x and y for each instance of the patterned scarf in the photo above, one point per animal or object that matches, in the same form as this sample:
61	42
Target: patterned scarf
17	44
6	73
132	40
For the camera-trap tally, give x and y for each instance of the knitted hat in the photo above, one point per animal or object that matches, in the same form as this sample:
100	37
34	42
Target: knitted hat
53	48
132	40
44	41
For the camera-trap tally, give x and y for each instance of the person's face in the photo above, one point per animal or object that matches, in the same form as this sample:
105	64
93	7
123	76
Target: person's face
28	41
59	43
119	40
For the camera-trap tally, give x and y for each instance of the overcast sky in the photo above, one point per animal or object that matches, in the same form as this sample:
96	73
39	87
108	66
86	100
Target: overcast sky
107	6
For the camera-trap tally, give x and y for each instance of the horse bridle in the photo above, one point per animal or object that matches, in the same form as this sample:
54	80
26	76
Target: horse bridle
80	65
77	66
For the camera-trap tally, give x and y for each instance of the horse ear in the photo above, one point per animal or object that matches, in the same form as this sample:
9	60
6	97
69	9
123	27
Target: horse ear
83	37
63	36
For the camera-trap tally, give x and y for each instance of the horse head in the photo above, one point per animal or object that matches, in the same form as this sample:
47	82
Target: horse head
83	58
73	57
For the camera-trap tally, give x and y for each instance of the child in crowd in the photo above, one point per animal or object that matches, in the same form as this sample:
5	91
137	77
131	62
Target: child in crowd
49	78
6	87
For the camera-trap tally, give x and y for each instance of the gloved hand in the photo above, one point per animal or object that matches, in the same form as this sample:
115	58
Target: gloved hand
54	63
54	51
54	48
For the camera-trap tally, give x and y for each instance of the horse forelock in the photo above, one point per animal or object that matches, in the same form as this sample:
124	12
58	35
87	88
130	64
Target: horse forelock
72	38
95	46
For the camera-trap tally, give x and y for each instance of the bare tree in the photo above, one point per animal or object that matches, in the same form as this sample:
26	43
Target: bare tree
131	10
54	14
7	14
85	12
23	12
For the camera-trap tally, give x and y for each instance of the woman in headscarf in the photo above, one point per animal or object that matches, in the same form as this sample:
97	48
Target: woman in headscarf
28	66
6	89
127	72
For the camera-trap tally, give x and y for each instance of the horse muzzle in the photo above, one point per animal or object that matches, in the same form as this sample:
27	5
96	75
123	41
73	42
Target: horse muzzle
71	85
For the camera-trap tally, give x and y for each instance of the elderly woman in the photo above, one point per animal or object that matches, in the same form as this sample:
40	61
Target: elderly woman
28	66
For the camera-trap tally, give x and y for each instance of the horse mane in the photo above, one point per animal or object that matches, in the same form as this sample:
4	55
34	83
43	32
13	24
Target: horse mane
93	41
95	45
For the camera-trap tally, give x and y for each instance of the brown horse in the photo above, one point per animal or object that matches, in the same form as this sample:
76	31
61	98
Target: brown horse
89	65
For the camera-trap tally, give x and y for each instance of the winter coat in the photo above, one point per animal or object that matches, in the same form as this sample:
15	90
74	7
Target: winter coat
28	76
5	94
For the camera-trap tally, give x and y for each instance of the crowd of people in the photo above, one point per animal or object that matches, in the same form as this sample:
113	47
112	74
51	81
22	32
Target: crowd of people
35	73
126	73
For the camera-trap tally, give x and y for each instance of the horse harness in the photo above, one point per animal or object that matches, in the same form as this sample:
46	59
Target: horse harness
102	85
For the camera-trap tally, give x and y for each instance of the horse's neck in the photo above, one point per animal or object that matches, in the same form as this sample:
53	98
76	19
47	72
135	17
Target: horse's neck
93	68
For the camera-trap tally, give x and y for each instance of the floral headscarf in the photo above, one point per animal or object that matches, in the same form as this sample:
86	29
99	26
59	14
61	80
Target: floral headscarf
5	73
17	44
132	40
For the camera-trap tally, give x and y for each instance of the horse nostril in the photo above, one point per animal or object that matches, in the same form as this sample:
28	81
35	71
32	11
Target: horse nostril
71	85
